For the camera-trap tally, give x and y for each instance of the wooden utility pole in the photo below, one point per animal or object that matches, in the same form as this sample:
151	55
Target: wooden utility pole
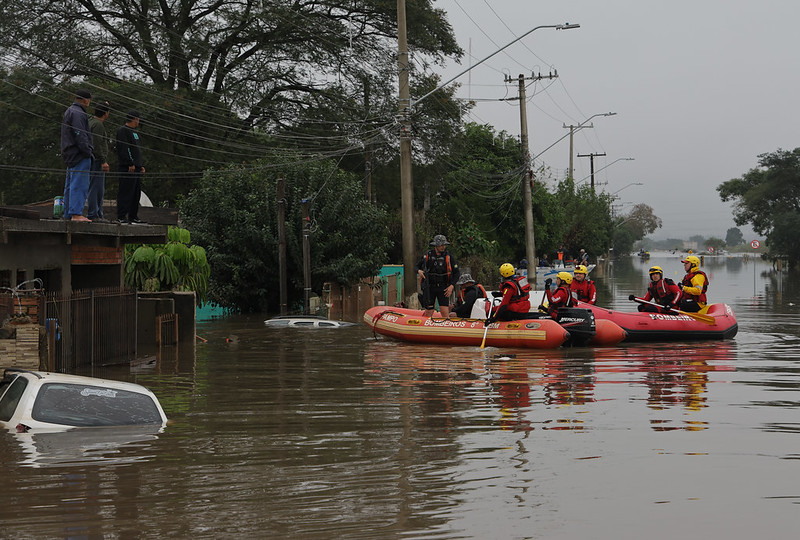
527	181
572	130
406	180
306	259
591	164
282	243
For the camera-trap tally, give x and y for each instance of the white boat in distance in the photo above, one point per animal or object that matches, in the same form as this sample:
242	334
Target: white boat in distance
544	272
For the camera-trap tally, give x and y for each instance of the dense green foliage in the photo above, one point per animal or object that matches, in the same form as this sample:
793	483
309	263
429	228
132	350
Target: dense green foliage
768	198
233	213
176	265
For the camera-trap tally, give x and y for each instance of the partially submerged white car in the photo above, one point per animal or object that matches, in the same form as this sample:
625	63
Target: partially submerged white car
42	401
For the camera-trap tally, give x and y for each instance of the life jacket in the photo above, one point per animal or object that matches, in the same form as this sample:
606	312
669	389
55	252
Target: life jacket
439	267
687	282
660	293
479	287
520	285
552	310
580	291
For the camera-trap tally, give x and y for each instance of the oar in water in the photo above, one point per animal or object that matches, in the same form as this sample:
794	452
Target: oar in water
708	319
486	323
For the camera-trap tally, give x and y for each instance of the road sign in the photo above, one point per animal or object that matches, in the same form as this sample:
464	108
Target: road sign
711	249
755	244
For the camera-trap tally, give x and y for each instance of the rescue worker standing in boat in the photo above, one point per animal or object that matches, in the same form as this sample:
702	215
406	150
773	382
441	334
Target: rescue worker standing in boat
439	273
694	285
515	288
662	291
468	292
561	297
582	287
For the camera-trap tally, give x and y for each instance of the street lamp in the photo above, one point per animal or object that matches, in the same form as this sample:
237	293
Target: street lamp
579	126
406	181
629	185
603	167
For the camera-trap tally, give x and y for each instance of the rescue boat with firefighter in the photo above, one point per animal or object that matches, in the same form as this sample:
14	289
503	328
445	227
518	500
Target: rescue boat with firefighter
716	321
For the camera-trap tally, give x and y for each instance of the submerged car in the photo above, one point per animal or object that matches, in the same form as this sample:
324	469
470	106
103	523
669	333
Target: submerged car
305	321
37	401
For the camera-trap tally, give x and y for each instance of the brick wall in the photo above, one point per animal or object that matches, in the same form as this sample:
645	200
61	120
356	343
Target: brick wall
97	255
24	350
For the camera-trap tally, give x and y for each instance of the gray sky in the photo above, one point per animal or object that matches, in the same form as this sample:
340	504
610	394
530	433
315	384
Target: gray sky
700	88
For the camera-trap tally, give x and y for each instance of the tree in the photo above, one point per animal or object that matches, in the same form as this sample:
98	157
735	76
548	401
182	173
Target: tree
768	198
226	81
274	62
176	265
634	226
232	213
714	242
734	237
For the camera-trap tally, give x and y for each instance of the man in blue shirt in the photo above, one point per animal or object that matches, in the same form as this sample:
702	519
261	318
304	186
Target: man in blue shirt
76	151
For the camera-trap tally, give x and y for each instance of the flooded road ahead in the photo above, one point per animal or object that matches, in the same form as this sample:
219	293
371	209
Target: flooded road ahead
289	433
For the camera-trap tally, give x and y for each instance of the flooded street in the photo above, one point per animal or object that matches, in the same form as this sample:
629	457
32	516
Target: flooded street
301	433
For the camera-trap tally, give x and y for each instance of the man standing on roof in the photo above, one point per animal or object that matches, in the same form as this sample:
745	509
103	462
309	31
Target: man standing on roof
515	288
131	168
439	273
582	288
76	151
662	291
694	285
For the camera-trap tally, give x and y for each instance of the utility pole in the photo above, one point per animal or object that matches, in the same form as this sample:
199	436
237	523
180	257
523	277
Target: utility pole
368	149
527	195
572	130
306	259
591	164
406	180
282	243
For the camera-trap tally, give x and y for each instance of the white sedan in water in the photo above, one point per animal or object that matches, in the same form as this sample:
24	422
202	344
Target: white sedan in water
42	401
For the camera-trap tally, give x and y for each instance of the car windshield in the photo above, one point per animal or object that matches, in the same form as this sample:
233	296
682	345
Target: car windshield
85	405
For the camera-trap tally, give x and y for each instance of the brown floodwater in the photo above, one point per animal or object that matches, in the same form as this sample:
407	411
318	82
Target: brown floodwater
299	433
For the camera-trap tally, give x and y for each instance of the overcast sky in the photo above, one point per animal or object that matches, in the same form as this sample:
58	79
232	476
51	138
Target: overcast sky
700	88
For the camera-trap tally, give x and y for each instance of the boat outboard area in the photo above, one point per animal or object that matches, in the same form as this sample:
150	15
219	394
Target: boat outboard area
305	321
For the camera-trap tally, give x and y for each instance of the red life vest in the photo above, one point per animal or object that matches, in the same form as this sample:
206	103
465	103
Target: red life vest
687	282
520	285
580	290
662	292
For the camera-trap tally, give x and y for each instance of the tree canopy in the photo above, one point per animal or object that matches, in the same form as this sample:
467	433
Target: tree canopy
233	213
768	198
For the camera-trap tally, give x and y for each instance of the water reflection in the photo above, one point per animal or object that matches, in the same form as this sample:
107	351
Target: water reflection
548	390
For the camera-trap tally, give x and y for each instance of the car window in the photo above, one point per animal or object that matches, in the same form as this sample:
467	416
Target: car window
11	398
86	405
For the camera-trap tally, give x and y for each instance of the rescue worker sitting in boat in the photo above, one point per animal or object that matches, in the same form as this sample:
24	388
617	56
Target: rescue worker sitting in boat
582	288
561	297
515	304
468	292
662	291
694	285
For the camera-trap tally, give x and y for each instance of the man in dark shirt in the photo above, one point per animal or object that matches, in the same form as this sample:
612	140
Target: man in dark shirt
97	180
130	168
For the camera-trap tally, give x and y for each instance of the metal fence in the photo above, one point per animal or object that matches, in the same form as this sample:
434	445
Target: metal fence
90	328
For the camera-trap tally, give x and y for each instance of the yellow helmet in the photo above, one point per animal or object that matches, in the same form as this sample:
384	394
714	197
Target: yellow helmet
656	270
580	269
693	260
506	269
566	277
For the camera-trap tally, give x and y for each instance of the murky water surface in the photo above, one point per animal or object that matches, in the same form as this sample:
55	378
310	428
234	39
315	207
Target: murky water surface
335	434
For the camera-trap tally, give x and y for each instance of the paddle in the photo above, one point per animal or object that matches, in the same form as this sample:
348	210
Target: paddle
708	319
486	324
